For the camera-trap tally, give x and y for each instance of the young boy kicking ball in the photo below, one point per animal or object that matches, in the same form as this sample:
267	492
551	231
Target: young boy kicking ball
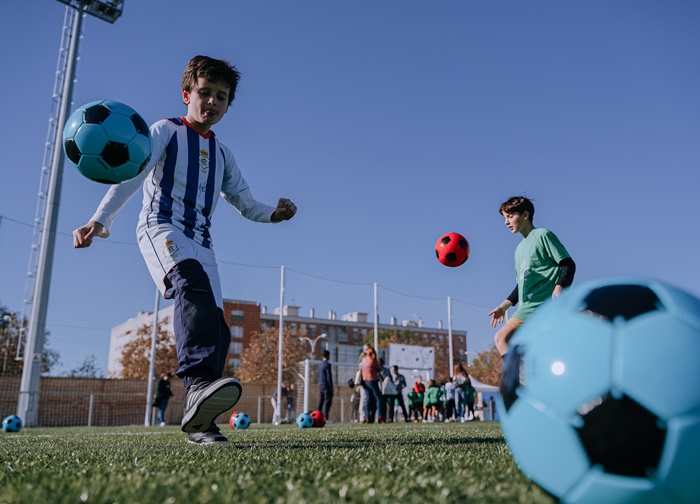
189	168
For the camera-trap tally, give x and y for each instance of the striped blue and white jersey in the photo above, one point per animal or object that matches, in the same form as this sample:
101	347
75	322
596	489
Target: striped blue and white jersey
181	182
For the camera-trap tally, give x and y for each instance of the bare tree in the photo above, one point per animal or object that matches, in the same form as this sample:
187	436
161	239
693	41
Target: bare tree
12	329
487	366
136	357
259	359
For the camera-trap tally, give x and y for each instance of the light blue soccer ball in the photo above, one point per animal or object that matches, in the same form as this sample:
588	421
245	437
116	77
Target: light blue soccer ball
241	421
305	421
13	423
107	141
601	394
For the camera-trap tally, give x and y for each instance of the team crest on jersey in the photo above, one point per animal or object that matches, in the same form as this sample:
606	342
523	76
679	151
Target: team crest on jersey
170	248
203	159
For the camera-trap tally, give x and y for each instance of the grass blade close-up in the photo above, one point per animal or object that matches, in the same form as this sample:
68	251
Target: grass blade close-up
434	462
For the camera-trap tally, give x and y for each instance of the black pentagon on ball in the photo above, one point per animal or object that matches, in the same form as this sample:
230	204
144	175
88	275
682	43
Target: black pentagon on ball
72	151
445	240
451	257
511	380
627	301
140	124
96	114
115	154
622	436
463	244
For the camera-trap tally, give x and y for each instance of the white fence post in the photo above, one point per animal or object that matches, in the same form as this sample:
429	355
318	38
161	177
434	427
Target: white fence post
307	374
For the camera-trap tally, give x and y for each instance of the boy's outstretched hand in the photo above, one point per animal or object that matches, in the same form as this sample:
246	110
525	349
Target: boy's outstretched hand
82	237
285	210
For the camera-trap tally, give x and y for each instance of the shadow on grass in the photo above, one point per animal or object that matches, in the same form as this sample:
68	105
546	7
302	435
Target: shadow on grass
368	443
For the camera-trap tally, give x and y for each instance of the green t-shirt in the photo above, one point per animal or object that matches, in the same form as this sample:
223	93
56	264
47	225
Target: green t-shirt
414	397
537	269
471	394
432	396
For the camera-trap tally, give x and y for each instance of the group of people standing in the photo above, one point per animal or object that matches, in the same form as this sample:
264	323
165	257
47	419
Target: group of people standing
378	392
452	400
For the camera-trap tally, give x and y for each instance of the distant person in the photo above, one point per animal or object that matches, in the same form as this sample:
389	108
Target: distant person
291	403
418	398
355	404
431	407
459	379
389	392
163	395
189	169
325	385
371	371
471	400
449	400
400	382
543	269
363	392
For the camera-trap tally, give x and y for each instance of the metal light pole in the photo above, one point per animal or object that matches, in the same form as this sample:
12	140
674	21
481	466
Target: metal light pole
449	333
152	367
313	343
31	373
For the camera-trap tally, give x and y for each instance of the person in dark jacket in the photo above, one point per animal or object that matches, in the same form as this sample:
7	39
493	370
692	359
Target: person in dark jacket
325	385
163	395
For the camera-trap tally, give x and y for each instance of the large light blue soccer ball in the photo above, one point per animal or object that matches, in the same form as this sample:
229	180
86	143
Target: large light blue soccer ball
241	421
107	141
600	398
12	423
305	421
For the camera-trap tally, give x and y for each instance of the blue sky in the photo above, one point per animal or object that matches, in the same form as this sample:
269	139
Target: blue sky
388	123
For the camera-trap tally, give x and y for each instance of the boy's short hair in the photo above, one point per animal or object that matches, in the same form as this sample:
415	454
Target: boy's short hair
326	354
214	70
518	204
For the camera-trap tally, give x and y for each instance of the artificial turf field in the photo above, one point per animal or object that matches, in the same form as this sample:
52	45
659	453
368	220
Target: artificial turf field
423	463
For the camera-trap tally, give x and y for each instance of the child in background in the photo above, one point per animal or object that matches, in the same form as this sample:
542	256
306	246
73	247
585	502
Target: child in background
432	401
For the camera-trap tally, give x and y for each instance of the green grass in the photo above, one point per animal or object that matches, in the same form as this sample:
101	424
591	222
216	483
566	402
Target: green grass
340	463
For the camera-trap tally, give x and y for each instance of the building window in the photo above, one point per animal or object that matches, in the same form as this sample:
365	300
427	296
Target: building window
236	331
237	315
236	348
234	363
312	331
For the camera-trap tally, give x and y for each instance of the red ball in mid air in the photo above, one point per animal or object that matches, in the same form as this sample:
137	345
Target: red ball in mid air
319	418
452	249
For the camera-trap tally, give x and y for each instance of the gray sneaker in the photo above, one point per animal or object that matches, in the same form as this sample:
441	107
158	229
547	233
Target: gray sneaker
211	436
207	400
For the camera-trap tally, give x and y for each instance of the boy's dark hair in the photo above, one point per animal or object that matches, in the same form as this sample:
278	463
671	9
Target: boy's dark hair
518	204
326	354
214	70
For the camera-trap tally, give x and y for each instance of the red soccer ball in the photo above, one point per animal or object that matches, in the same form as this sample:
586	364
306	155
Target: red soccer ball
452	249
319	418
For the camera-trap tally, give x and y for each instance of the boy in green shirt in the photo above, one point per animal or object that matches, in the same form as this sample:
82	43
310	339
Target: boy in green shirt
543	268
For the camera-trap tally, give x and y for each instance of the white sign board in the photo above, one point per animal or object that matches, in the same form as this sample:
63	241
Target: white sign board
412	357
